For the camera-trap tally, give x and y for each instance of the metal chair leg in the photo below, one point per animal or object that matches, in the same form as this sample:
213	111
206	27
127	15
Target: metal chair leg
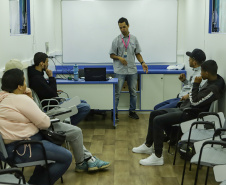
186	156
176	148
185	162
1	164
169	149
169	144
4	165
190	167
207	173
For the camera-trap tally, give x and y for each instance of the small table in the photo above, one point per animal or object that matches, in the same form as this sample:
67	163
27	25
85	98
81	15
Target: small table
98	94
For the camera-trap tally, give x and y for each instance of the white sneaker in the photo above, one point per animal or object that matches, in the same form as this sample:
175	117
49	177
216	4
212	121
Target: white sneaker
152	160
143	149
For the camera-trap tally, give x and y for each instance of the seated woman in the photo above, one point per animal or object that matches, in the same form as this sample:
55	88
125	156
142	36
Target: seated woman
21	119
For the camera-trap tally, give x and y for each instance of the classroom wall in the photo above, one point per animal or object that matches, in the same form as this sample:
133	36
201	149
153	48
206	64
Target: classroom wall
45	27
193	17
193	33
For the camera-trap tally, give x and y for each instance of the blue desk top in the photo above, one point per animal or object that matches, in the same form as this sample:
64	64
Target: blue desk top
152	69
82	81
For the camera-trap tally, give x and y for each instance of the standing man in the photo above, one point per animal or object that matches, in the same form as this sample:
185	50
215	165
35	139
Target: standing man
123	51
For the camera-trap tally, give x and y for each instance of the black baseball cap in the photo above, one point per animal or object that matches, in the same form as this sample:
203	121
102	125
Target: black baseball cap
197	54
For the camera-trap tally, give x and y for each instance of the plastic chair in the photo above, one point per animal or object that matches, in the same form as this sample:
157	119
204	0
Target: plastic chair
185	126
213	155
7	176
43	162
61	111
204	133
219	173
205	116
191	111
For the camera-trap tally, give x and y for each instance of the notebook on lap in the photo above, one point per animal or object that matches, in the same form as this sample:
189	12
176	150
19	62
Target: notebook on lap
95	74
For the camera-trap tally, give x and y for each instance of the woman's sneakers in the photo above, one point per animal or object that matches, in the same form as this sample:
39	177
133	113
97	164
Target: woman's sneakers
143	149
152	160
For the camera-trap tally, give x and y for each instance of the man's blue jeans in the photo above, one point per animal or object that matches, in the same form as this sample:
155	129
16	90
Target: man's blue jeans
132	84
83	110
171	103
60	155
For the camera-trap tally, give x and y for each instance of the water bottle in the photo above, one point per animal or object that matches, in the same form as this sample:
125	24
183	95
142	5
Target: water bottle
75	70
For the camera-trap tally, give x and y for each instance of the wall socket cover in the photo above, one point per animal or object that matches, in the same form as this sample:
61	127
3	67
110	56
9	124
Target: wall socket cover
47	47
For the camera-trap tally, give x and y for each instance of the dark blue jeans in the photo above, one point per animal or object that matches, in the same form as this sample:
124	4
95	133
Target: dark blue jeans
60	155
132	84
83	110
171	103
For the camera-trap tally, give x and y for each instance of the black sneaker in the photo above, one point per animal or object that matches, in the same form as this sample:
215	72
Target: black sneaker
116	117
133	115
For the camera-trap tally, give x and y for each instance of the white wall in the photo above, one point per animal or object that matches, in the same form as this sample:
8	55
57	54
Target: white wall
45	27
193	33
193	17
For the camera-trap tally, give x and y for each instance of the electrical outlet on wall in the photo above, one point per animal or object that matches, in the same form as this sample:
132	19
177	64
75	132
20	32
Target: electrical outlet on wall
47	48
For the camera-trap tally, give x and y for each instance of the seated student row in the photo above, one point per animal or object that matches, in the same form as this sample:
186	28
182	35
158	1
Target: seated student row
195	94
21	119
215	86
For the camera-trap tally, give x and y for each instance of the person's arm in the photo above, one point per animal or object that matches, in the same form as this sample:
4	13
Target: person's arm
43	88
52	86
31	111
114	52
200	98
185	97
183	79
140	59
52	80
122	60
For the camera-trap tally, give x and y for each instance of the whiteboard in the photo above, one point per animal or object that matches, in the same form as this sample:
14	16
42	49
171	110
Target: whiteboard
89	28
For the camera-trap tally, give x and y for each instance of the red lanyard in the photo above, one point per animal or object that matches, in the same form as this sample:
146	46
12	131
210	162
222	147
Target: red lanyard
126	45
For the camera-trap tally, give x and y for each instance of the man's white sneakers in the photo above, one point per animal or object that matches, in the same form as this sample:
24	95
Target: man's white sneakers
152	160
143	149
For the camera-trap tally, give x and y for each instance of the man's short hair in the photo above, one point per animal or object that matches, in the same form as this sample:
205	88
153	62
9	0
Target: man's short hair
11	79
40	57
122	20
210	66
14	63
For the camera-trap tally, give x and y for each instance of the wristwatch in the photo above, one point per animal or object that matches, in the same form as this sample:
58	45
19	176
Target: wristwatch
142	62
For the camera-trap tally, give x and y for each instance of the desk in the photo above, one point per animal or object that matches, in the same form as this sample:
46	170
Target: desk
158	85
92	92
152	69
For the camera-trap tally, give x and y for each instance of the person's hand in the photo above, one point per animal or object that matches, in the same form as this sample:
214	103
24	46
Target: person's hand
123	61
49	72
59	92
145	67
28	92
185	97
198	79
182	77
